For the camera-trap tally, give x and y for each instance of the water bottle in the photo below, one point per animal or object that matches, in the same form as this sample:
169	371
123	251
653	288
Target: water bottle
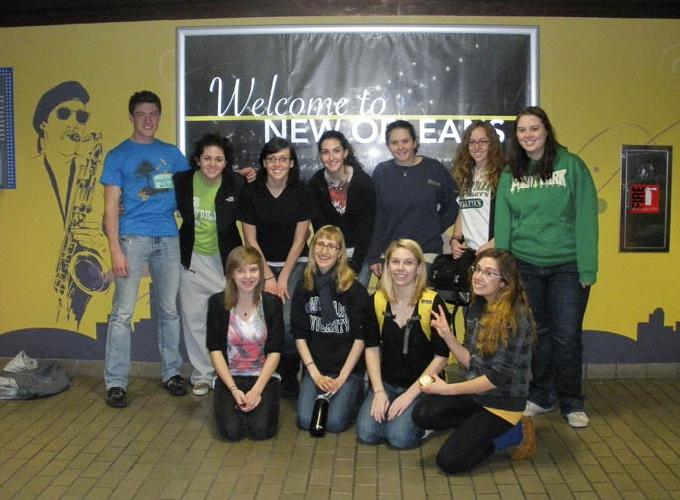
317	426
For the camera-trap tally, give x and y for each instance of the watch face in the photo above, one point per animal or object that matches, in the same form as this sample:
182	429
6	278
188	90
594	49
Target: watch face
425	380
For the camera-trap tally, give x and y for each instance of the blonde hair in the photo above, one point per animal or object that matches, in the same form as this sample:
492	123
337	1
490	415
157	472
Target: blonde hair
238	257
387	285
502	316
344	275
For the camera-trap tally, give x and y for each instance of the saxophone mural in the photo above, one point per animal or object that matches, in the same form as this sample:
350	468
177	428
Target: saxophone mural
72	159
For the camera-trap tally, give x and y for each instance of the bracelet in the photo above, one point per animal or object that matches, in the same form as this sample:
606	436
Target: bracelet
380	390
310	363
232	388
270	278
459	240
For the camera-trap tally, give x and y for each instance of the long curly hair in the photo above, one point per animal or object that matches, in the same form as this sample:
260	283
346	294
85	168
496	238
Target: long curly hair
502	316
463	166
344	275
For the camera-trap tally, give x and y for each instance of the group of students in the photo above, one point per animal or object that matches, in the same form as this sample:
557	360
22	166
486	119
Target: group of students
257	312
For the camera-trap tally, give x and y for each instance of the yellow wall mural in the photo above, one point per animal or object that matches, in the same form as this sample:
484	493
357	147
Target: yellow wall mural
604	83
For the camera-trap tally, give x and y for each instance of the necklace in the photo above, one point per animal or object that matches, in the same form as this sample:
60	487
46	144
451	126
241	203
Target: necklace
242	312
405	168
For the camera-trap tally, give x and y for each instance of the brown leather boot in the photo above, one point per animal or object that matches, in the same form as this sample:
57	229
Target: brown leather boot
527	448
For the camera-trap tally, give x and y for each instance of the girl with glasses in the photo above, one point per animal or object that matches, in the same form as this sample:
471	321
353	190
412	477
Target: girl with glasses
276	211
497	358
327	316
476	170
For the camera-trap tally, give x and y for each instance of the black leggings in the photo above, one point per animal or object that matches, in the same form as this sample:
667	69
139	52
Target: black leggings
260	423
475	429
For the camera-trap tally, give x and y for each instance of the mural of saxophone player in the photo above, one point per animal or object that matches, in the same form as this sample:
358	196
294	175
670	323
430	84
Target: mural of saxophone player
72	159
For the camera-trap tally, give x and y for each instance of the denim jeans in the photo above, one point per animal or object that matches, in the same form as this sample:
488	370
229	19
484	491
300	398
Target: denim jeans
342	411
365	275
295	276
400	432
558	302
162	256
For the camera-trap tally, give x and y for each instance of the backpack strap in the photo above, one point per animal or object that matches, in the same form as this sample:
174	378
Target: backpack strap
424	309
380	306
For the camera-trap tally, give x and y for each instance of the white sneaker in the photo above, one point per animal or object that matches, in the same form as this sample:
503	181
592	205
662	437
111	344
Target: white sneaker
427	433
200	389
532	409
577	419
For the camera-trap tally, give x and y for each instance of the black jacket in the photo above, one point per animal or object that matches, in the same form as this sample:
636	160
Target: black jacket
226	202
357	221
217	325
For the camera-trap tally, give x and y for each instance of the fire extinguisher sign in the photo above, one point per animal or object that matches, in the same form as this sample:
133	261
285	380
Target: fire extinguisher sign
644	198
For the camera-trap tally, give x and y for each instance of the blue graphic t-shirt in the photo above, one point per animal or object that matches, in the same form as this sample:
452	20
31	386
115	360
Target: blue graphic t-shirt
144	174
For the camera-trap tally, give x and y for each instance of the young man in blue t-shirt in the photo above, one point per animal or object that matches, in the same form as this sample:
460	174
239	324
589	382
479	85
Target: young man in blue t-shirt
138	176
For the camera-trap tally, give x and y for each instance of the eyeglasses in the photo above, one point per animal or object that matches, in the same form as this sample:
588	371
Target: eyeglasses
327	246
276	159
65	114
481	143
485	272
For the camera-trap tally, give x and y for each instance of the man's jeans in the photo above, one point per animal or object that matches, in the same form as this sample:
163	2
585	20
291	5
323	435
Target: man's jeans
558	302
162	256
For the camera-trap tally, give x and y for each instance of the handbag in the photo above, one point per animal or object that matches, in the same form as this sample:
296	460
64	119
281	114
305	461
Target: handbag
451	277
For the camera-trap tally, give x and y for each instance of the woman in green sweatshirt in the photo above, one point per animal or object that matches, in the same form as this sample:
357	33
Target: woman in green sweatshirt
546	216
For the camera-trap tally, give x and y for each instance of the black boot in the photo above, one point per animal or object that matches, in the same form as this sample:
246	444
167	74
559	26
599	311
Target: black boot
288	369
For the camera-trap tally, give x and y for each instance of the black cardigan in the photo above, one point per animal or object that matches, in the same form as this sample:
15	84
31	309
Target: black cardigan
226	202
357	222
218	324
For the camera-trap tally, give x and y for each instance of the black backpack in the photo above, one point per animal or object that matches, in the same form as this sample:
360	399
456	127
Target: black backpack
451	277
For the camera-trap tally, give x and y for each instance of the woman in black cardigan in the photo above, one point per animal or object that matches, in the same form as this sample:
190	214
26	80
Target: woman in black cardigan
245	340
344	197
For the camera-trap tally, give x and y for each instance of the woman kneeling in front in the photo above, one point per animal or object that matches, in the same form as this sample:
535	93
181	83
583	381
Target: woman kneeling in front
327	319
245	339
400	347
497	356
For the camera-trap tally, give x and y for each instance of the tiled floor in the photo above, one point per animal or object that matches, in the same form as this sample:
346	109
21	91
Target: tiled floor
73	446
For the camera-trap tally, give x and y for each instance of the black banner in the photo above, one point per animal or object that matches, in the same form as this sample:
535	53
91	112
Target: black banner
256	83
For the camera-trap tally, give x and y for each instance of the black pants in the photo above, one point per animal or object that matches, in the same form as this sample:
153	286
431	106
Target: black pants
475	429
258	424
